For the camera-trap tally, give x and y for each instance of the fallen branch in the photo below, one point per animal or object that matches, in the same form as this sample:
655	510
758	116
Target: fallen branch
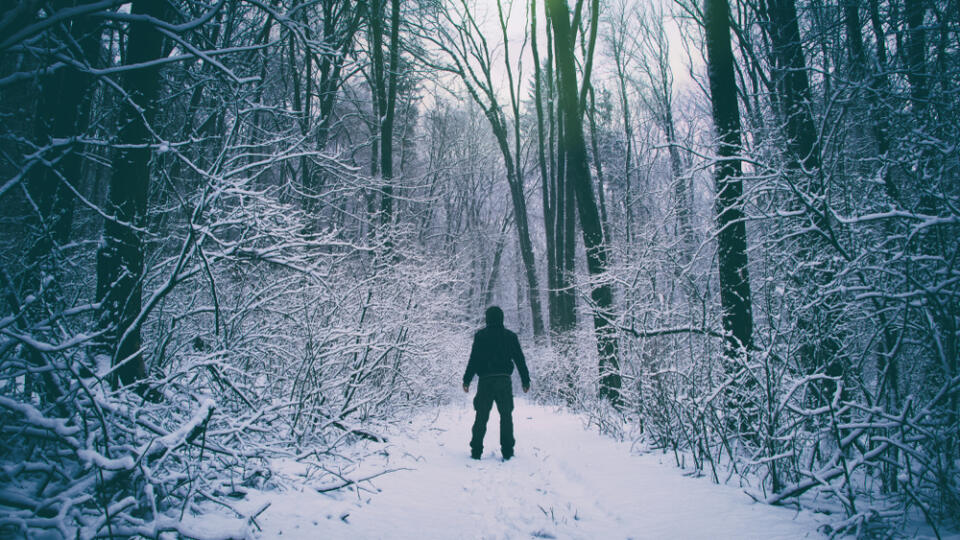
349	482
670	331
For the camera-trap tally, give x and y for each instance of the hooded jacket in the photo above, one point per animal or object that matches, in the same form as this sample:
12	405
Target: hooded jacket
495	351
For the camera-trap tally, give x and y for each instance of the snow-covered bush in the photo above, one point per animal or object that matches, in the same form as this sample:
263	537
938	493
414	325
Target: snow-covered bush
270	342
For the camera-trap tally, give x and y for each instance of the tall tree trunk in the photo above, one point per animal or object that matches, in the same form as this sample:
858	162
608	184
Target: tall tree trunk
558	164
301	103
546	175
339	27
62	113
588	107
564	215
568	227
473	61
120	258
792	85
916	57
737	318
385	89
517	191
618	43
598	163
822	349
876	83
578	173
681	189
559	216
523	230
495	265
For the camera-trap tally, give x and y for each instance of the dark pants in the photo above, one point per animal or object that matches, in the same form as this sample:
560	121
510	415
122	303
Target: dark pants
489	390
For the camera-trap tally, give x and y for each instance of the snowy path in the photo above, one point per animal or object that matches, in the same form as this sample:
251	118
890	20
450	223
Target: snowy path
565	482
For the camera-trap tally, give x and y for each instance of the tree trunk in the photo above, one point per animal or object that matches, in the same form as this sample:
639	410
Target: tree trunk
737	318
792	84
62	113
822	349
578	173
681	189
495	265
120	258
339	27
568	238
877	85
523	230
516	189
385	90
619	63
546	175
598	163
916	47
564	218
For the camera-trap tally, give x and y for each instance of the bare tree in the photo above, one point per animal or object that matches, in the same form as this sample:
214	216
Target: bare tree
578	173
657	94
461	39
731	235
559	216
385	93
120	258
622	47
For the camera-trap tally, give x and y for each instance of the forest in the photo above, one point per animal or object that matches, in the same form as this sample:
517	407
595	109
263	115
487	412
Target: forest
233	231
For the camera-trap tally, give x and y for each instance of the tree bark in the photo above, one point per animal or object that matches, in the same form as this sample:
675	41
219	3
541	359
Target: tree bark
523	231
737	317
876	83
385	90
516	189
822	349
618	44
120	257
546	175
578	174
62	113
792	84
472	59
598	163
340	24
916	56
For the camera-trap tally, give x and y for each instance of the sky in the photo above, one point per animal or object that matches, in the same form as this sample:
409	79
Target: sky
518	13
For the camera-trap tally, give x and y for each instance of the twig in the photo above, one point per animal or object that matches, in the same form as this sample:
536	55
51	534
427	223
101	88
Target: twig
349	482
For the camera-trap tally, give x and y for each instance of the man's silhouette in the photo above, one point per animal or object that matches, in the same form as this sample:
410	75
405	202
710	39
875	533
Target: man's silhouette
495	351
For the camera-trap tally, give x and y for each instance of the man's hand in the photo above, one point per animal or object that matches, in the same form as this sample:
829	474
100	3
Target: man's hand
466	388
526	389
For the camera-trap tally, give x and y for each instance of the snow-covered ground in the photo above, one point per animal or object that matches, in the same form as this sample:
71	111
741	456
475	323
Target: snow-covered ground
565	482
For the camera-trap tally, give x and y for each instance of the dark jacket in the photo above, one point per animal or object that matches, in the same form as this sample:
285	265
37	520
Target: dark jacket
495	351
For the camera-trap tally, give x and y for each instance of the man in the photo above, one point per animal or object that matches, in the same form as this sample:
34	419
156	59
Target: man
495	351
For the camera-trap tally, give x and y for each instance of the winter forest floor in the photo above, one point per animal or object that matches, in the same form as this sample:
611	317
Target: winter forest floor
565	482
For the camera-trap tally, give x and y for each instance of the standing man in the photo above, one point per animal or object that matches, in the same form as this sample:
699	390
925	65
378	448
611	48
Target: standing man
495	351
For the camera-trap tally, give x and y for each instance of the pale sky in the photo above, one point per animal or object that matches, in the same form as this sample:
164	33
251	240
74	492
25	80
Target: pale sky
485	12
